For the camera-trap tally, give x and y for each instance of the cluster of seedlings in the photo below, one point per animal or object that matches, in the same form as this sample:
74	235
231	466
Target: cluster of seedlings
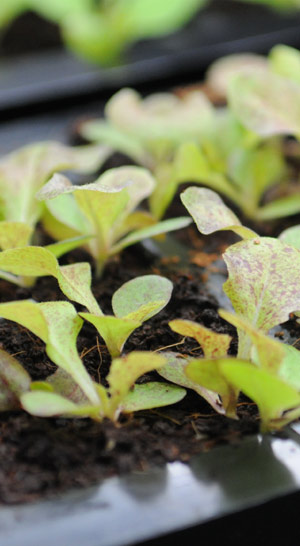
239	150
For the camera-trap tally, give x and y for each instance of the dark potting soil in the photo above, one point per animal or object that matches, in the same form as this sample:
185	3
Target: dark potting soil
42	457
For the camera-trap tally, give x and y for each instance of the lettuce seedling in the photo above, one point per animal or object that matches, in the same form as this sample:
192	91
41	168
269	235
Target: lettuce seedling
104	210
23	173
57	324
133	303
150	130
262	285
60	396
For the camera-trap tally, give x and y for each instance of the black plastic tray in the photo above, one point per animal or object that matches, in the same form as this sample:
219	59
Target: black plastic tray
224	27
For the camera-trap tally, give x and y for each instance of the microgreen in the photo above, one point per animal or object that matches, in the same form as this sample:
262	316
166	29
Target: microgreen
121	395
150	130
57	324
133	303
24	172
104	209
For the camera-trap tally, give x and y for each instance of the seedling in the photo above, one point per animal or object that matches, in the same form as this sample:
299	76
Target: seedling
135	302
60	396
150	130
105	210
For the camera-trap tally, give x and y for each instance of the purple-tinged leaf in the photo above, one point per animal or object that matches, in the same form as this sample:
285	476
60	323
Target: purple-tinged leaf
211	214
263	284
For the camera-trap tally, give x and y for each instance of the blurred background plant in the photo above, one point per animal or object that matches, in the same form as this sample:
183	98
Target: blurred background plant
102	30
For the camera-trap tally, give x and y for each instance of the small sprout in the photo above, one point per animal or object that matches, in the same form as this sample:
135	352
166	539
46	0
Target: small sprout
119	397
57	325
135	302
104	209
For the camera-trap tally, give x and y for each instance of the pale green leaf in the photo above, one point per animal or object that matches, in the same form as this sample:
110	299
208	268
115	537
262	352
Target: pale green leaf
50	404
124	372
174	371
208	374
105	132
214	345
211	214
221	72
14	380
14	234
280	208
263	283
75	282
266	103
133	297
270	352
291	236
285	61
62	247
151	395
24	172
161	227
115	331
272	395
31	261
62	383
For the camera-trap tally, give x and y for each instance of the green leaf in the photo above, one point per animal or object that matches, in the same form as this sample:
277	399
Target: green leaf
280	208
115	331
161	119
75	282
270	352
62	383
221	72
105	132
272	395
151	395
14	380
211	214
266	103
285	61
49	404
62	247
58	325
263	283
214	345
291	237
132	299
33	261
14	234
174	371
191	164
23	173
124	372
161	227
290	366
209	374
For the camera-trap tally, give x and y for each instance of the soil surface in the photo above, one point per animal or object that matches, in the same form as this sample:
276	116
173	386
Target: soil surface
48	456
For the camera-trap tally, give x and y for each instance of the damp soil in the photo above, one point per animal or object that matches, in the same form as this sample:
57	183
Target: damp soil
44	457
